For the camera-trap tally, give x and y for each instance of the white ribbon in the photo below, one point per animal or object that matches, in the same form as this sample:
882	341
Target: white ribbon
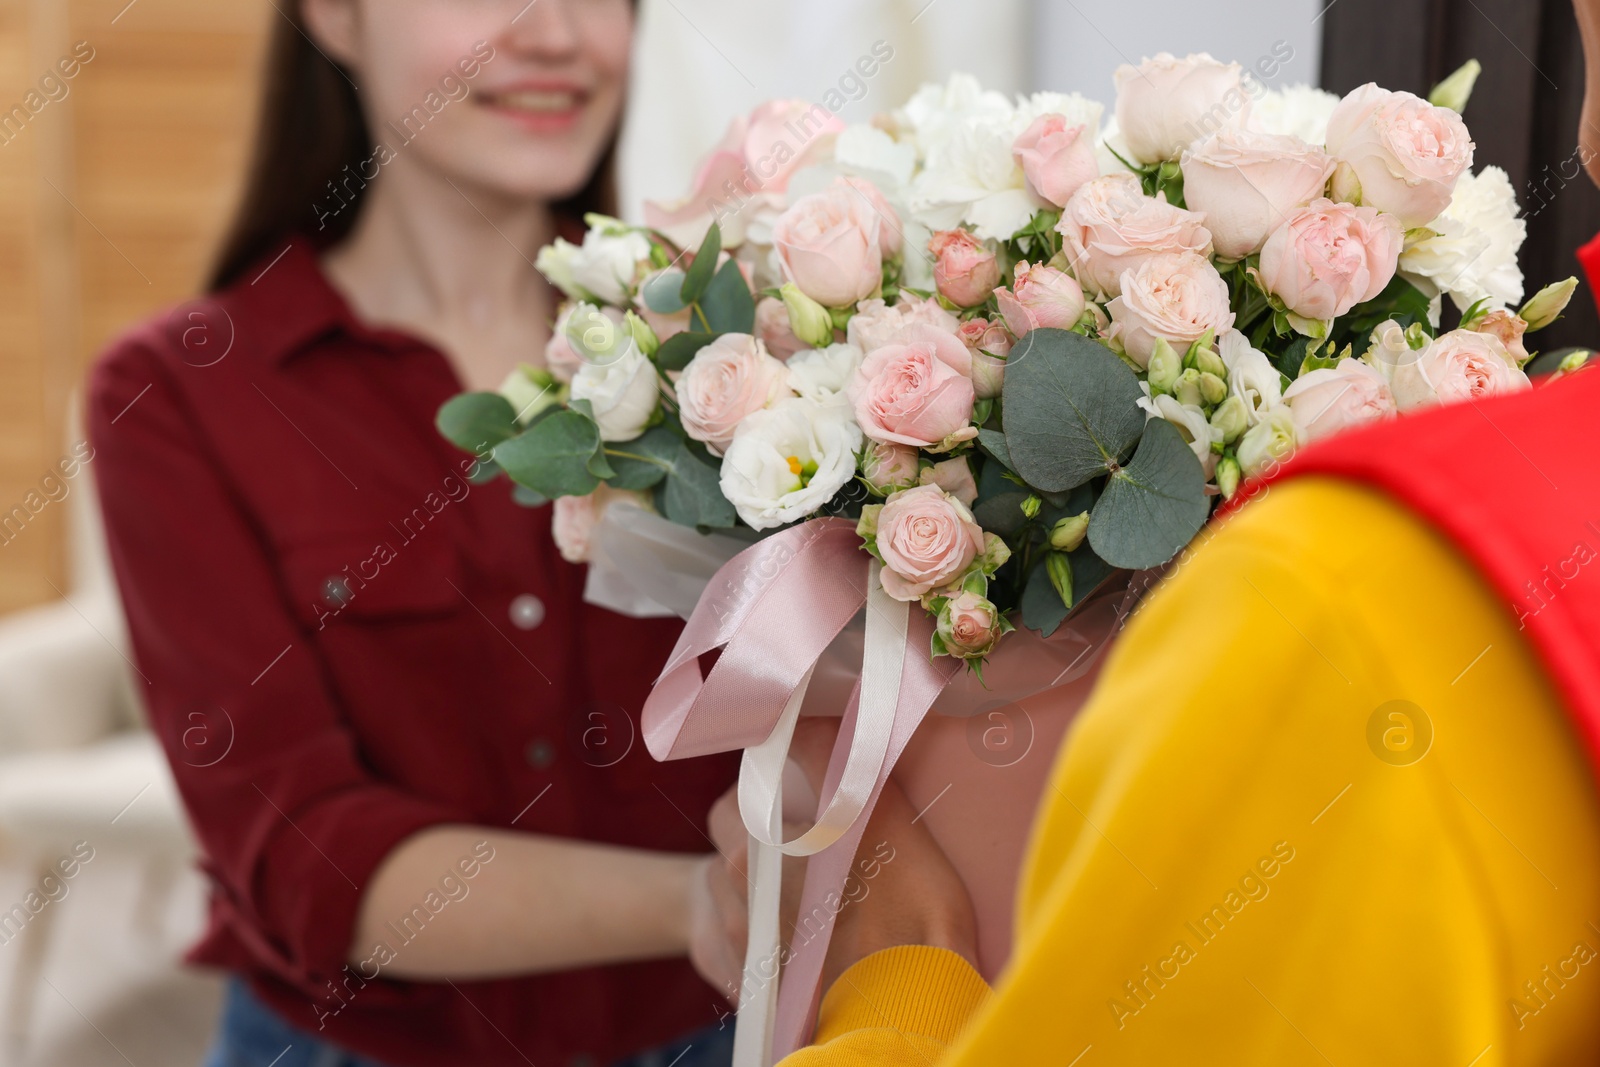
761	807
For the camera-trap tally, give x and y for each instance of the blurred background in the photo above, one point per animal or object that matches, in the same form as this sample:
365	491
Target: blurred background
117	183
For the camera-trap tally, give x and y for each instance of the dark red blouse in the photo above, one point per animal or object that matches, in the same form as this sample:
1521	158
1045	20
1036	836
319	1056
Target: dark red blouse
344	643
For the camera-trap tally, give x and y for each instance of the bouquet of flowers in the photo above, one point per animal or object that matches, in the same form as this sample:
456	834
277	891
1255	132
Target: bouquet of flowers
1022	350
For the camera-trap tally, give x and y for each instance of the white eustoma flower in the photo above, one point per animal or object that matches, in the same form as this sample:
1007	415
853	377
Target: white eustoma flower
821	374
1251	376
1474	253
605	268
1191	422
789	460
621	386
936	111
1271	440
974	178
1296	111
1077	109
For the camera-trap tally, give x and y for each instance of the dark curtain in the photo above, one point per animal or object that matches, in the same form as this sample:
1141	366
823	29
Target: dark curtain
1523	115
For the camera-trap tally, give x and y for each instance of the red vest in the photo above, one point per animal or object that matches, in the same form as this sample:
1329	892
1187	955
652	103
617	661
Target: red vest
1514	482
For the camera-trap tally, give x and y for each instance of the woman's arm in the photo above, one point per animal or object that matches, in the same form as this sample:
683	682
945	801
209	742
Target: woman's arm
534	903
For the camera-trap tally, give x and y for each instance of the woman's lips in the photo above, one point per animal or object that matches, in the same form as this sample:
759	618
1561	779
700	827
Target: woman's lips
537	109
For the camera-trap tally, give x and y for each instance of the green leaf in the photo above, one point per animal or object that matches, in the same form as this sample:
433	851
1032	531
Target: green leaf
485	472
994	443
599	466
1152	507
661	293
642	463
1289	360
676	351
477	421
703	267
692	495
1071	409
1002	514
1089	572
1042	607
727	304
553	458
527	497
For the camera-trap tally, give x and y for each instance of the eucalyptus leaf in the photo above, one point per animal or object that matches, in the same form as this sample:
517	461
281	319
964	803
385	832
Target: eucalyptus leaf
676	351
727	304
1002	514
521	494
994	443
484	472
1152	507
1071	409
692	494
1042	607
703	267
475	422
643	462
552	458
662	294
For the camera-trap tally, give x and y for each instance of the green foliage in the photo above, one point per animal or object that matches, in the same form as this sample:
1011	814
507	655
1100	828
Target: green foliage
1152	507
556	456
476	422
642	463
676	351
726	306
704	266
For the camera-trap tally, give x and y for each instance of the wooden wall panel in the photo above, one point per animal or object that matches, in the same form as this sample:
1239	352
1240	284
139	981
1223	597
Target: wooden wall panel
111	201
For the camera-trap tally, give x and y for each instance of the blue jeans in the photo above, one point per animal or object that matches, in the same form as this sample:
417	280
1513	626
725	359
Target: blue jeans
251	1035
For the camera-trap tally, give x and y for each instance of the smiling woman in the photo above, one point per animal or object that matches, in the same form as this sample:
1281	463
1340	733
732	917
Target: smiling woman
386	724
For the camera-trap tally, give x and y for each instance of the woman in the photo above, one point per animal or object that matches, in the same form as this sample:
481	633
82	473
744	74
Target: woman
404	741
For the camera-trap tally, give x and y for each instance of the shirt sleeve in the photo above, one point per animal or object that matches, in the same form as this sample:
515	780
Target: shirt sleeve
291	823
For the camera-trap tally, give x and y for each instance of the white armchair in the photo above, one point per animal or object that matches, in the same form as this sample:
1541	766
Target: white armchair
75	762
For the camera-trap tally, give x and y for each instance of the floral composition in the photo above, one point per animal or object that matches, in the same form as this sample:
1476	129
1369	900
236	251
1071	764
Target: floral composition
1023	345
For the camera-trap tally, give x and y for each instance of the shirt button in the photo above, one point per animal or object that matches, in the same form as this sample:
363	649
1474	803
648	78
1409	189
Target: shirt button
336	591
527	611
541	754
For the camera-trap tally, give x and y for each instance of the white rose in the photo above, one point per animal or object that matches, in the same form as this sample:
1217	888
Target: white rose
621	386
726	381
821	374
1295	111
1190	421
1109	227
1166	104
789	460
1272	439
1460	365
1397	153
1473	254
1251	376
1247	184
1177	296
1331	399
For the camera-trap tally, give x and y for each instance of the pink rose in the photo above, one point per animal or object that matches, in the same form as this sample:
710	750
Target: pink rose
954	476
1040	296
1327	258
917	393
1460	365
927	539
963	268
727	380
1509	328
888	467
1334	398
969	626
1177	296
572	523
1056	158
1109	227
876	324
1398	153
891	238
772	326
1165	104
755	159
1247	183
827	245
989	344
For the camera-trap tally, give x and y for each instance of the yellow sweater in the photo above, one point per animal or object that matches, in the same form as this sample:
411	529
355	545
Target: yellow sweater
1323	809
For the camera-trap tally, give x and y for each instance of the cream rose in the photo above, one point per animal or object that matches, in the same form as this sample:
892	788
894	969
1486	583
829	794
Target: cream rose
1165	104
1327	258
1398	153
927	539
1247	184
827	245
969	626
876	324
1056	157
1457	366
1334	398
788	461
1109	227
726	381
954	476
989	344
963	268
919	392
1177	296
887	468
1040	296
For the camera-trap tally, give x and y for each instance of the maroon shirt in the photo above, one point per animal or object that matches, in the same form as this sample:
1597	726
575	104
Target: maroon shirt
345	643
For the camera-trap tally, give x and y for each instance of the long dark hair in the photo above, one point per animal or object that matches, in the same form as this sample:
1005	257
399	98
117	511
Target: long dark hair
311	133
